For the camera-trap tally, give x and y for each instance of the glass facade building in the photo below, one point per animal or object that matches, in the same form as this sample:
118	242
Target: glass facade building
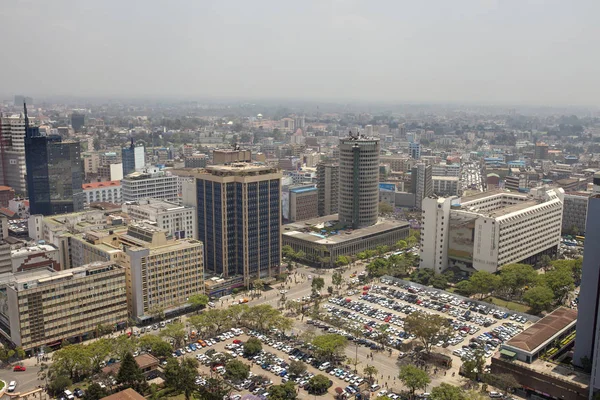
54	174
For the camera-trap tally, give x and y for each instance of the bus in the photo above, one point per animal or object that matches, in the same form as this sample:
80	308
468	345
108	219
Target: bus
580	238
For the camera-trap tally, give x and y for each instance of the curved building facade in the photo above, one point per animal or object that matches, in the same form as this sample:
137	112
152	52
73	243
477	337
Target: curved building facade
358	181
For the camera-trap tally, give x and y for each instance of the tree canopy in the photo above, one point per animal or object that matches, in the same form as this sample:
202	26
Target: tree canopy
328	346
428	328
413	378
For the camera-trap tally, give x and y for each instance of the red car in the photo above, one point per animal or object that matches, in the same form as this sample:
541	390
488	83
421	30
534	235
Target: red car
19	368
237	341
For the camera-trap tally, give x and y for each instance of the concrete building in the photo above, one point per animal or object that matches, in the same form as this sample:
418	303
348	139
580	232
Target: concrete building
421	183
303	203
195	161
541	151
327	188
12	166
445	170
575	212
34	257
239	218
110	172
491	229
153	183
109	191
414	149
516	180
398	162
446	185
324	249
231	156
6	195
178	220
44	307
358	181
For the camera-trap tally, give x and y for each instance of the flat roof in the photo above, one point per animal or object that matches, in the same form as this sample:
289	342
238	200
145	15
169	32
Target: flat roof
296	230
304	190
544	330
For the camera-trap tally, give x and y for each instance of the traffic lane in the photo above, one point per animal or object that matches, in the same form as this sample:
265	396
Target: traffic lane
26	380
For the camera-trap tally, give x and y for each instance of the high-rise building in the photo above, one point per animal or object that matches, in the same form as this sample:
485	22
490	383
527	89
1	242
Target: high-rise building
12	152
303	203
421	182
491	229
54	173
239	219
541	151
414	150
133	158
327	188
77	121
43	307
358	181
156	184
587	342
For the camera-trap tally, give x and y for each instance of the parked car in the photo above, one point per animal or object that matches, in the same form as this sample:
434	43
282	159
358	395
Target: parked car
19	368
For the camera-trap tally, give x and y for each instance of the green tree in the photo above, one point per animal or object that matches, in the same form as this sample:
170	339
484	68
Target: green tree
98	351
472	366
95	392
560	281
385	208
464	287
157	346
123	344
188	370
286	391
297	368
236	371
401	244
342	261
337	279
428	328
215	389
58	384
72	361
318	384
258	285
288	252
20	352
447	392
317	284
252	347
172	373
515	277
198	300
130	374
545	261
370	371
174	331
330	345
411	241
539	298
439	281
414	378
483	283
378	267
505	382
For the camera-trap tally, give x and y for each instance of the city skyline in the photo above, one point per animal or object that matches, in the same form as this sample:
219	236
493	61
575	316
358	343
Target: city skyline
470	51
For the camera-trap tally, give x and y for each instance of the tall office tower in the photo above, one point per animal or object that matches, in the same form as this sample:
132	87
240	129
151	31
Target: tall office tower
421	183
133	158
77	121
239	218
358	181
541	151
588	329
414	150
155	184
54	173
327	187
12	152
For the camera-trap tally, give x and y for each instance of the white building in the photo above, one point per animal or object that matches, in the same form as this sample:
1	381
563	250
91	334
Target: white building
178	221
488	230
446	185
12	164
445	169
109	192
156	184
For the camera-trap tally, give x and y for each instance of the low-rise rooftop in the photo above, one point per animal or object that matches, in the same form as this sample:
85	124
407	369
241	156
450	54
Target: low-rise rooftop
544	330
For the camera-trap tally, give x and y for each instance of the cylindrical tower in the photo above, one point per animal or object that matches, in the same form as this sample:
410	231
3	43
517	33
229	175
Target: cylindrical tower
358	181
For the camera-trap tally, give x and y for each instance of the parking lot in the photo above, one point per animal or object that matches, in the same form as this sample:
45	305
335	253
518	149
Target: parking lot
383	308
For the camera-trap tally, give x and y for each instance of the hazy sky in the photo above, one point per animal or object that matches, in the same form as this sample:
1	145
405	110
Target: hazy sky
503	51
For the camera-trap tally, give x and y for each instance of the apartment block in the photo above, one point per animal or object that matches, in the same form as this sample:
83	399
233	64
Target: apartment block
575	212
491	229
155	183
446	185
303	203
43	307
178	220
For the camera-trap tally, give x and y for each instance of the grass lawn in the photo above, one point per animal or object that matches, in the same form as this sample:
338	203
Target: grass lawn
1	384
178	397
508	304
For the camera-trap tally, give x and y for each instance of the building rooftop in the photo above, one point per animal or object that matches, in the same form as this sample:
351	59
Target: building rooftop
544	330
127	394
97	185
301	230
303	189
39	248
157	205
445	178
